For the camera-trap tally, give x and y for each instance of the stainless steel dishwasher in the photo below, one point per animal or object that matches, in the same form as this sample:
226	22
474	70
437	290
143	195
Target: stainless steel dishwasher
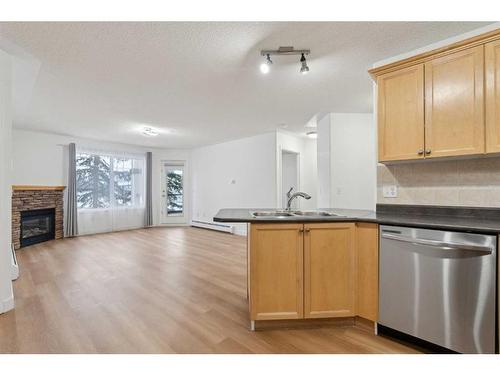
439	286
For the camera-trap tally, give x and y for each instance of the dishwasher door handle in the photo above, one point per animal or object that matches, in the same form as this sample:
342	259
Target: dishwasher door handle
439	244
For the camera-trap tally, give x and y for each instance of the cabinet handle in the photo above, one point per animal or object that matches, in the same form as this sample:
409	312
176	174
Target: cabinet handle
420	152
428	151
308	230
301	230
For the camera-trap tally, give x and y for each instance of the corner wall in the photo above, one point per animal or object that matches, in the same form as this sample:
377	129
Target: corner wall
235	174
6	293
347	165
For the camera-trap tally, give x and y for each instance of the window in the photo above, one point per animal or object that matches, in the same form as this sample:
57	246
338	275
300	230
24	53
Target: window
104	181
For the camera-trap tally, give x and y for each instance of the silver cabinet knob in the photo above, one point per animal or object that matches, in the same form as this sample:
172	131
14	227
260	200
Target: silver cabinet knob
428	151
420	152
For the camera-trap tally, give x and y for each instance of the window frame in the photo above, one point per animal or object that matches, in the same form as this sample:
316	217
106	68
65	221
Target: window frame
112	199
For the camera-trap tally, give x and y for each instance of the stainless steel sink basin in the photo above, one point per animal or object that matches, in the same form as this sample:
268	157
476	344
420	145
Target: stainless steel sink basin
278	214
314	213
272	214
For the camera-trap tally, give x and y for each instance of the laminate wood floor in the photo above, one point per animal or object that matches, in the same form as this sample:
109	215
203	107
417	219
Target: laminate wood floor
158	290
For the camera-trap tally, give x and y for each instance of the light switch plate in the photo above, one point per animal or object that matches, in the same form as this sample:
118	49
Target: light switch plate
390	191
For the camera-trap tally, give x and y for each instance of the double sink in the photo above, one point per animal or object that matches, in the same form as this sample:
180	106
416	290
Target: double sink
284	214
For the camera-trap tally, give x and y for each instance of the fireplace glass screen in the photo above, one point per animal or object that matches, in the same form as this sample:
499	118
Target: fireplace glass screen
37	226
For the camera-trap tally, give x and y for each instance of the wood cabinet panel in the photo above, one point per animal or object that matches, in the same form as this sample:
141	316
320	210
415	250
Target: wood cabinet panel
401	114
454	107
367	243
329	270
276	271
492	64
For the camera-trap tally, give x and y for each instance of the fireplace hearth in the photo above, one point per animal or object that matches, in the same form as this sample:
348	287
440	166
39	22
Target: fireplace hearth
37	226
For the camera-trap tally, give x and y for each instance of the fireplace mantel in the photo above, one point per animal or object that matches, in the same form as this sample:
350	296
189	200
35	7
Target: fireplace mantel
37	187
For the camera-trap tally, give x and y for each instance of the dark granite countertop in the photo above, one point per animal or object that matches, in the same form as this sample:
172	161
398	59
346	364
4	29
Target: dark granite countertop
467	219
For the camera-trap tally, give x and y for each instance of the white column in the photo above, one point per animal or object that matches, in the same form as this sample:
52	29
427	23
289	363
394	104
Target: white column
6	294
324	162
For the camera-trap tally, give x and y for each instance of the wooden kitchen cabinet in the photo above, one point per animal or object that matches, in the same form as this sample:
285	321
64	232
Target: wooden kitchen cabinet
276	271
367	240
445	102
401	114
454	104
492	65
313	270
329	270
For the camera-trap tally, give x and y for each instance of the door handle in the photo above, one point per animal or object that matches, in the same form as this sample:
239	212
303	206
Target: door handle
428	151
439	244
420	152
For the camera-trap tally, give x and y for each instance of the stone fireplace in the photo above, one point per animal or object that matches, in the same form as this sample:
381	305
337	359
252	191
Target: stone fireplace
37	214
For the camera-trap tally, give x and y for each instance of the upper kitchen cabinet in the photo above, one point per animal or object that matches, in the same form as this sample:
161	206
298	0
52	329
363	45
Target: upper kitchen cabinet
454	104
434	104
492	64
401	114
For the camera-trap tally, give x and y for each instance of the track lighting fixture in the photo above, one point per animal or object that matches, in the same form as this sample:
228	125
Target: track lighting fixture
304	69
265	67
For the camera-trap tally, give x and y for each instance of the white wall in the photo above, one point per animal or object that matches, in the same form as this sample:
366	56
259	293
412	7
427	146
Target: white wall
6	295
40	159
347	166
307	168
353	160
324	162
289	176
236	174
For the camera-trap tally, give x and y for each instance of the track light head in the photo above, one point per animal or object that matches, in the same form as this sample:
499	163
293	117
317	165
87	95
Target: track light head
304	69
265	67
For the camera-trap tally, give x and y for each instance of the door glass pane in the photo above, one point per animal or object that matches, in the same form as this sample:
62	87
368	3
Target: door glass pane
175	190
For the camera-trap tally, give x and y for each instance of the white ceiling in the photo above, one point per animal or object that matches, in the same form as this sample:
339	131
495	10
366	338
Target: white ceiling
198	83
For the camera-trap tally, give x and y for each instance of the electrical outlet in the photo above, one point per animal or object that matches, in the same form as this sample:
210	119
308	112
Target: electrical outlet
390	191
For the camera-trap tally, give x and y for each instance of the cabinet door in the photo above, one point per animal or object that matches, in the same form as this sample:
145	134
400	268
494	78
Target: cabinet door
276	271
329	270
454	119
401	114
367	271
492	63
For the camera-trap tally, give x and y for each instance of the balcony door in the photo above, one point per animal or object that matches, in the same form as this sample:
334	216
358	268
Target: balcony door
173	208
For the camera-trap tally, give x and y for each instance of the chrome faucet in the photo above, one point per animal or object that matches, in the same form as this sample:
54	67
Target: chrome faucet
291	197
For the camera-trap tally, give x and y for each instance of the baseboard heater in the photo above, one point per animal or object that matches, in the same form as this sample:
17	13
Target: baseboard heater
214	226
14	267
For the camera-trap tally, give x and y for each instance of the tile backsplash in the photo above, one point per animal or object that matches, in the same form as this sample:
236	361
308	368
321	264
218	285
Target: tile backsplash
473	182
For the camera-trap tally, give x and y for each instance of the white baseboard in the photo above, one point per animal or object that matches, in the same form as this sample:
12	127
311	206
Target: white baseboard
7	304
214	226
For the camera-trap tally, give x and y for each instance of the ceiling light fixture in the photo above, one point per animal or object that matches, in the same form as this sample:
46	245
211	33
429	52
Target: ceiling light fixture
265	67
149	131
304	69
312	134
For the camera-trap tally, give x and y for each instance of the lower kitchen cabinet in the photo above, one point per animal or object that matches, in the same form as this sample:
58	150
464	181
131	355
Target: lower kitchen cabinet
313	270
367	271
276	271
329	270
